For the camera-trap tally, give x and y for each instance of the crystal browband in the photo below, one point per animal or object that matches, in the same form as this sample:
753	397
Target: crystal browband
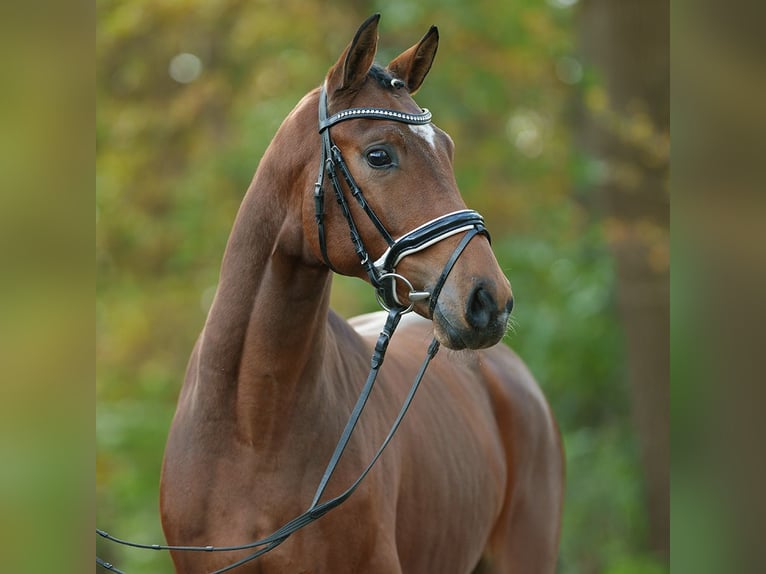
376	114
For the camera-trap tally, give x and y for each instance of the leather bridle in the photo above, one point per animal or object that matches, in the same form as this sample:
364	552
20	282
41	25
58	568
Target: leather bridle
383	276
382	271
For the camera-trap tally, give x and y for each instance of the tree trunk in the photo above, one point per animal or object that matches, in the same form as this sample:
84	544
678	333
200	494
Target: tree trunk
627	43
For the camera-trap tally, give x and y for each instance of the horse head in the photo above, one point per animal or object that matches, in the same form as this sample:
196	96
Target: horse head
394	172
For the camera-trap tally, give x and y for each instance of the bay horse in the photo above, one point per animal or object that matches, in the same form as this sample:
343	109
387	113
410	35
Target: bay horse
473	481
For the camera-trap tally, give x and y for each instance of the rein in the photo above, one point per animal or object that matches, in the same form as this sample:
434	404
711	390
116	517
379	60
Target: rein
383	276
316	510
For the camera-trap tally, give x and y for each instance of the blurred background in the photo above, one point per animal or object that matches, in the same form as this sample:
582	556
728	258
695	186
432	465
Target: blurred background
560	114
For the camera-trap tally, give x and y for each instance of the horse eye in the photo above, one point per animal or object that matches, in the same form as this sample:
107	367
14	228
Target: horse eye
378	158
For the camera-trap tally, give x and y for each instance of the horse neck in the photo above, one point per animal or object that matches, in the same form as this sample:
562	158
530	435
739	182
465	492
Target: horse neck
262	344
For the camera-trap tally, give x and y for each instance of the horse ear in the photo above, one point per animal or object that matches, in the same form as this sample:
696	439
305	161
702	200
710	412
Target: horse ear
412	66
351	68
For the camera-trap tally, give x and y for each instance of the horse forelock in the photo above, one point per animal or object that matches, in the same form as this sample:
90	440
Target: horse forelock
382	76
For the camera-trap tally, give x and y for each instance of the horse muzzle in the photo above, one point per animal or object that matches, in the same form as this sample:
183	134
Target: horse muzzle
479	322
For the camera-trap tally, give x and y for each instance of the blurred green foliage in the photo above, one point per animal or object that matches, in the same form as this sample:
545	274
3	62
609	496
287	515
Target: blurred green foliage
174	159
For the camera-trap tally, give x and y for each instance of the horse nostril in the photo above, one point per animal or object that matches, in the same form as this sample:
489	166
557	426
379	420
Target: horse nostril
481	308
509	305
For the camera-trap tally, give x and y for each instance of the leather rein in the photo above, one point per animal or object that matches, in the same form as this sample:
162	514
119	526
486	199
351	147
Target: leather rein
383	277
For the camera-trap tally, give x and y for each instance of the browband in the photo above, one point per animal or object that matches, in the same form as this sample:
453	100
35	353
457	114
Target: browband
376	114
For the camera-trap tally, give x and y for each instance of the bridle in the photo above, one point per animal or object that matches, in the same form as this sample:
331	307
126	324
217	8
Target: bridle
382	271
383	276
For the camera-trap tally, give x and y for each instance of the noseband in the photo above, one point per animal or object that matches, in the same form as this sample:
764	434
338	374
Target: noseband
382	271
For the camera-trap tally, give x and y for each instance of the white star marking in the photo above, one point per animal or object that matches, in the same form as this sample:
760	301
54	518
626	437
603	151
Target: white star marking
427	132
